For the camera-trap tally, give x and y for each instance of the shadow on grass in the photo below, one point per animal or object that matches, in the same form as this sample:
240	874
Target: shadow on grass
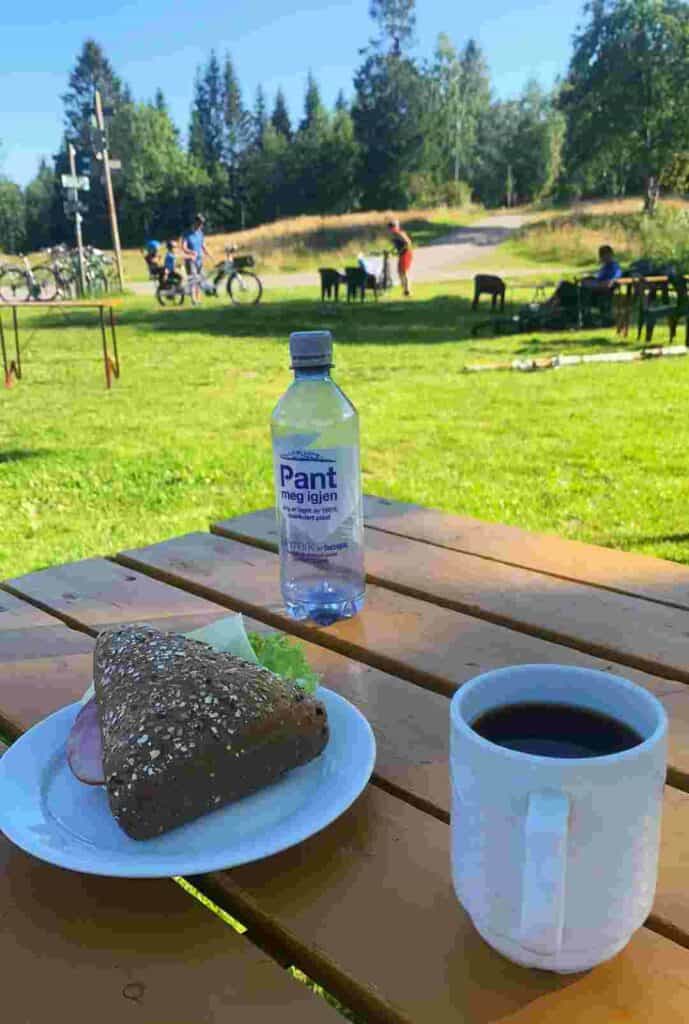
19	454
438	319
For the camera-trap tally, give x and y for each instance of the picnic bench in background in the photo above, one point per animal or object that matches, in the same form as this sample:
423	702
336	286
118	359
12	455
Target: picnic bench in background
106	309
366	906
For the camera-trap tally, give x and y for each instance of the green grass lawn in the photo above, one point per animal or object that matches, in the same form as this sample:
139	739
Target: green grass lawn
593	452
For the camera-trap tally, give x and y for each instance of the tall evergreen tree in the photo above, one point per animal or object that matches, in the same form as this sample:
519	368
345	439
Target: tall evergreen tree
91	71
237	140
390	110
207	127
160	103
341	102
259	117
280	116
313	105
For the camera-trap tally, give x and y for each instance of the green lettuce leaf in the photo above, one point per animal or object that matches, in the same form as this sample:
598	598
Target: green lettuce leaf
285	658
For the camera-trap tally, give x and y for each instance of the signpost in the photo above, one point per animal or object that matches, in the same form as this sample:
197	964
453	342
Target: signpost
79	182
74	207
103	146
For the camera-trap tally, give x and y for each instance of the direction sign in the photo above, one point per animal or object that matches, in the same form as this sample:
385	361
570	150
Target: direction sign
72	206
78	181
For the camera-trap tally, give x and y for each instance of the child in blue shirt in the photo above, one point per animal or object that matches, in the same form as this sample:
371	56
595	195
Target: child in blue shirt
170	263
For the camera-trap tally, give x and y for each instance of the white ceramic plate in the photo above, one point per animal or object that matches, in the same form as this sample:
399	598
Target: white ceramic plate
46	811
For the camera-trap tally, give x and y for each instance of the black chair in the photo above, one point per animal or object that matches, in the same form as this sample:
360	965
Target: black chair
358	280
672	312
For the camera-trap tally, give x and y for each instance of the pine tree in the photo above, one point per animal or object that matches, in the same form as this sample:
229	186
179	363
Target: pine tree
341	102
259	117
160	103
92	71
237	140
280	116
207	126
313	105
390	109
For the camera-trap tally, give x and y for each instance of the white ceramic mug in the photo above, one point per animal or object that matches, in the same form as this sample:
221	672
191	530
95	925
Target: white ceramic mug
556	859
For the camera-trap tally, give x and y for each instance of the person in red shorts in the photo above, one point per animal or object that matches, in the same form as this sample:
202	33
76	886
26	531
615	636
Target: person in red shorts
402	243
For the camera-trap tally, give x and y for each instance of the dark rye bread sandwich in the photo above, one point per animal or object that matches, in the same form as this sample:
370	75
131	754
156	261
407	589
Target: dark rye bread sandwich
187	729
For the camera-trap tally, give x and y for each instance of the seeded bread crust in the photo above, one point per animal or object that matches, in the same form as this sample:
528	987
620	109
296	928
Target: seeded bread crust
187	730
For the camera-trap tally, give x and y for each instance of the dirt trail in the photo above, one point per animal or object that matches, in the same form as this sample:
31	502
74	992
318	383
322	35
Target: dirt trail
440	261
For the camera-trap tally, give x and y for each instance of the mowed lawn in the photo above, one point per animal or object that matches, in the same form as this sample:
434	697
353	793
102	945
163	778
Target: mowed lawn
592	452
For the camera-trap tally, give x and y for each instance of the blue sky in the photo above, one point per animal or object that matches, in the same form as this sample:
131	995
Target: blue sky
159	44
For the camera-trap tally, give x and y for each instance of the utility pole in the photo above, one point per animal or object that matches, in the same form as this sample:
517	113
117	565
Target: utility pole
108	189
77	218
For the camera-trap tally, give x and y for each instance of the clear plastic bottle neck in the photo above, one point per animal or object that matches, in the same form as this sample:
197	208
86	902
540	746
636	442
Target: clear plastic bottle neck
312	373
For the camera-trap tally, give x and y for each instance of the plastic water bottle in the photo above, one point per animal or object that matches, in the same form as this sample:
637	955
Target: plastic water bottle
315	431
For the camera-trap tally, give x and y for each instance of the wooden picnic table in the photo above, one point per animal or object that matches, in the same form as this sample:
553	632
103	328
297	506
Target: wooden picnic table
365	907
106	312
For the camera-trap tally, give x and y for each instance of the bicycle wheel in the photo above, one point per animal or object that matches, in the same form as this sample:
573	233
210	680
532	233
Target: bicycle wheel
44	287
14	286
244	289
169	296
67	285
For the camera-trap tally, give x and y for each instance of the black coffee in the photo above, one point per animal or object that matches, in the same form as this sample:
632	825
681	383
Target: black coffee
555	730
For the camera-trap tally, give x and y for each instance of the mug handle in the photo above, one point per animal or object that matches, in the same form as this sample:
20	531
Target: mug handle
543	878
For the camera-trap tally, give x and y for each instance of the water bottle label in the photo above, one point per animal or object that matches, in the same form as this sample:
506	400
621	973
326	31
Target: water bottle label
318	499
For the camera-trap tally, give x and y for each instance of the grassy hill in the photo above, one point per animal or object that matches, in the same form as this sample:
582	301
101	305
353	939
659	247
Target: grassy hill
306	243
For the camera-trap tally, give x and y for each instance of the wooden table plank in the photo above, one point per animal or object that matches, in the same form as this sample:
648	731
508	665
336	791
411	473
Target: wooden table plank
435	647
655	579
418	954
27	632
632	631
90	949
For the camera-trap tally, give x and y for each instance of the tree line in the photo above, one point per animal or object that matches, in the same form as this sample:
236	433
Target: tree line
412	132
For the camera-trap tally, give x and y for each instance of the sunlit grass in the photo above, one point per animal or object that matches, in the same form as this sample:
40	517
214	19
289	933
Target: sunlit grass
183	438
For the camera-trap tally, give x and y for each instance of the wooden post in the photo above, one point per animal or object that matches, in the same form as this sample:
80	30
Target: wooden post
112	211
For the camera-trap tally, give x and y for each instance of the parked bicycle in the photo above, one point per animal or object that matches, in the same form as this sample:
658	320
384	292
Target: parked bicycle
243	286
173	290
26	283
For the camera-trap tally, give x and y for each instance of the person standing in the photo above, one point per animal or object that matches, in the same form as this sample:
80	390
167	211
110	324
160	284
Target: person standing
193	250
402	243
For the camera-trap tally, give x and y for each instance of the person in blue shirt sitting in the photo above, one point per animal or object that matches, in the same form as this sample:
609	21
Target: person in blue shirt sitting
170	275
609	272
194	249
597	290
151	248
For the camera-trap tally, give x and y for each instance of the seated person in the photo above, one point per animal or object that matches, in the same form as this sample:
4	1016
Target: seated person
610	270
170	274
151	248
594	288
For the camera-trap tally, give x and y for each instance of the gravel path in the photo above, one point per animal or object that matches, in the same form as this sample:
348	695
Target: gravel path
440	261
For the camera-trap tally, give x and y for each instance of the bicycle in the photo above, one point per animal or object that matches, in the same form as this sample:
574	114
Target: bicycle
243	286
27	283
174	290
61	264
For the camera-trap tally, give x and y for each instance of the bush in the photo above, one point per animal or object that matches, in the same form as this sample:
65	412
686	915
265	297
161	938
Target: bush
423	190
665	237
